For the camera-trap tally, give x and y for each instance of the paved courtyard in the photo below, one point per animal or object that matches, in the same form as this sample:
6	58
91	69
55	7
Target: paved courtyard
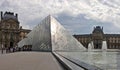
29	61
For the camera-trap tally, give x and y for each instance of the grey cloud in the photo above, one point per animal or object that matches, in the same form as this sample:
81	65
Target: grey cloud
5	3
77	16
80	24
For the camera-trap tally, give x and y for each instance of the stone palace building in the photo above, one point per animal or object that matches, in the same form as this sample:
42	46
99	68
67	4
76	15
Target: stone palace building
97	36
10	30
11	33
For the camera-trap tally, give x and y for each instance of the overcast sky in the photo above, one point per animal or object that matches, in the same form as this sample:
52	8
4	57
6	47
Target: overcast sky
77	16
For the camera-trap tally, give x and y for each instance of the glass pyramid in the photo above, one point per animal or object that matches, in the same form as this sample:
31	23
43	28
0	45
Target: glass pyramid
50	35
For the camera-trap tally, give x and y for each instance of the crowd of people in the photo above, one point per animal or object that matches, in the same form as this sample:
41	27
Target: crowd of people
15	49
9	49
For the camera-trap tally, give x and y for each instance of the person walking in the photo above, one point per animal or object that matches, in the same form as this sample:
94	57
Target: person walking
2	48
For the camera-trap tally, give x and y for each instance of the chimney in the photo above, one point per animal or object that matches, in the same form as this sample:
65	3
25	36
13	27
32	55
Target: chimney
16	15
20	27
1	15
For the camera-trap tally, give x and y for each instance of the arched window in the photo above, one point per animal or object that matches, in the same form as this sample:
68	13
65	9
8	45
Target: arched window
14	26
8	26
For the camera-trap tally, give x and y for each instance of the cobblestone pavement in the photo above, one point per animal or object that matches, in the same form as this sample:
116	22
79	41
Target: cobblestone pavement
29	61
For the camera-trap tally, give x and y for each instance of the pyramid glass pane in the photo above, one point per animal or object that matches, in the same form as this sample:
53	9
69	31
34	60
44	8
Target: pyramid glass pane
39	37
62	40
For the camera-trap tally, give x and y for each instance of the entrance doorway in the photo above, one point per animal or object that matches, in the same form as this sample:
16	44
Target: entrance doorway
11	44
97	44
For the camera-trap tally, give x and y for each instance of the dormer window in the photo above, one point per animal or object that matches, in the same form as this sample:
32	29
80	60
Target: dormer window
14	26
7	26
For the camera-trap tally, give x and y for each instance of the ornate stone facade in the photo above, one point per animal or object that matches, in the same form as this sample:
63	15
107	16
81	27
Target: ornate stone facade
97	36
10	30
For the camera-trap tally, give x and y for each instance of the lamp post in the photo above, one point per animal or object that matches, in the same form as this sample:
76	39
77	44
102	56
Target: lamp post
1	44
1	40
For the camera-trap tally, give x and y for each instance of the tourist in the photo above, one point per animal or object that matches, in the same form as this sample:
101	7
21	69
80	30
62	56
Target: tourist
2	49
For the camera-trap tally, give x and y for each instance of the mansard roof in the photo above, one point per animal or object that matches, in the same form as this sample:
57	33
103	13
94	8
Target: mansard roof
97	29
10	15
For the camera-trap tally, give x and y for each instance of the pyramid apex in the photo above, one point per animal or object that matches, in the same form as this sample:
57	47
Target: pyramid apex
50	16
